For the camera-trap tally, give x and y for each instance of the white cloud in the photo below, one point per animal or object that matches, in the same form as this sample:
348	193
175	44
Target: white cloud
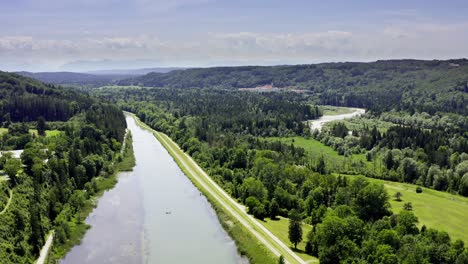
397	40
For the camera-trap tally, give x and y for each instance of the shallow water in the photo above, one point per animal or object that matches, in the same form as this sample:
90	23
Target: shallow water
153	215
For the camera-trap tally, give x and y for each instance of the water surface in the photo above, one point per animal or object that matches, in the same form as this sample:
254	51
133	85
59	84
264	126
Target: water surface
153	215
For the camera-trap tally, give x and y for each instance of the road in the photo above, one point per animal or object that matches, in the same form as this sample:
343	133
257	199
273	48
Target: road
276	246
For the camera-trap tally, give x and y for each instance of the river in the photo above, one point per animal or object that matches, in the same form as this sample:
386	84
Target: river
154	214
318	124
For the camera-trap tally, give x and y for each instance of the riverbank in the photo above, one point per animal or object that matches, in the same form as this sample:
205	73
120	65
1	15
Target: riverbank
124	162
339	113
252	239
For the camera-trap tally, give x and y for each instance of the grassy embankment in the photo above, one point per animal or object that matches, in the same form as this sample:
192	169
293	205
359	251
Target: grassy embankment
78	227
247	244
435	209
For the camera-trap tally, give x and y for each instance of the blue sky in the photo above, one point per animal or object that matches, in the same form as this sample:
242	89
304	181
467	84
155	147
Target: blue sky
81	35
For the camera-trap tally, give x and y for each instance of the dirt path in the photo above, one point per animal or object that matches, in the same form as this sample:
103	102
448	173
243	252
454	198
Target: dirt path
275	245
45	249
8	202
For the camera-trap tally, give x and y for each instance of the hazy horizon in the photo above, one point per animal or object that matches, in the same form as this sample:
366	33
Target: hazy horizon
86	35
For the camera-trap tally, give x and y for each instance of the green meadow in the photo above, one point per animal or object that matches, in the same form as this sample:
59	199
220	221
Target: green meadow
280	228
434	209
333	161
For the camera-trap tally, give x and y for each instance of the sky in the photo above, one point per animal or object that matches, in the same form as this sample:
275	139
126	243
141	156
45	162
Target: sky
84	35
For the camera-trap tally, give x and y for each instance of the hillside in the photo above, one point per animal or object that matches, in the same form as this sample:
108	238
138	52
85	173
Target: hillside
53	182
413	85
24	100
75	78
141	71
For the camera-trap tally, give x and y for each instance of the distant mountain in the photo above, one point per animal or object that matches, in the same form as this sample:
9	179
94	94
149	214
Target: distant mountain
142	71
74	78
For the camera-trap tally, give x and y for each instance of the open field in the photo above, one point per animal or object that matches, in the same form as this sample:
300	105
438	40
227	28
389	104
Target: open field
280	228
335	110
440	210
227	203
49	133
333	161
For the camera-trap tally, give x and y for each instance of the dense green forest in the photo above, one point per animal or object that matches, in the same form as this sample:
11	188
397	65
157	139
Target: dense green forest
224	131
56	174
410	85
75	78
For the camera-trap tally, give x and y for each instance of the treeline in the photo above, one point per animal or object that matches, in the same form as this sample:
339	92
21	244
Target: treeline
410	85
351	218
25	100
75	78
210	113
433	156
56	176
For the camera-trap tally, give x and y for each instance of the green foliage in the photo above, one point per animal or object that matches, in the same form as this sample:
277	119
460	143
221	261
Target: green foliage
47	183
295	228
372	202
413	85
224	132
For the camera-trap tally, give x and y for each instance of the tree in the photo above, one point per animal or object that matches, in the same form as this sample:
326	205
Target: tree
274	209
321	166
371	202
388	160
256	208
407	223
12	166
41	126
295	227
408	206
464	185
253	187
281	260
398	196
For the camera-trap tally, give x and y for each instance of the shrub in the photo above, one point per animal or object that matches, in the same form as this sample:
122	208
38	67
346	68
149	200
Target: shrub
419	189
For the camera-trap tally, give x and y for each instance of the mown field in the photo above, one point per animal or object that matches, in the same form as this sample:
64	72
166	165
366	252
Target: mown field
333	161
440	210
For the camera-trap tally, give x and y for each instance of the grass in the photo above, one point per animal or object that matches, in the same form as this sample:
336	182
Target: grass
280	228
77	225
247	244
335	110
440	210
359	122
49	133
333	161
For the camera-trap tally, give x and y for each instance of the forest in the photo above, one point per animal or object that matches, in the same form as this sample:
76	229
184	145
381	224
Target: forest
410	85
227	133
57	173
